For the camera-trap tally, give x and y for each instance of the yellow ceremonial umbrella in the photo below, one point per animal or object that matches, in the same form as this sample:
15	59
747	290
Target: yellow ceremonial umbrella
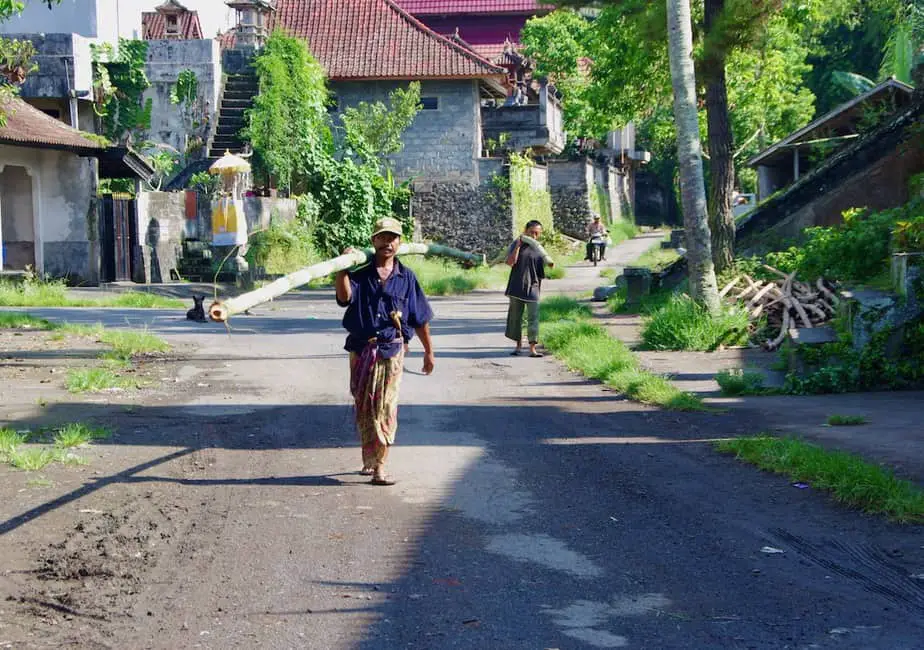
229	164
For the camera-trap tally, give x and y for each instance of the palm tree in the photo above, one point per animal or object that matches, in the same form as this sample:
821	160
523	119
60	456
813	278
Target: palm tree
689	156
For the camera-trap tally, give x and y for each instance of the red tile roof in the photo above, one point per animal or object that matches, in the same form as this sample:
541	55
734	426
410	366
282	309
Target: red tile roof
376	39
27	125
431	7
154	26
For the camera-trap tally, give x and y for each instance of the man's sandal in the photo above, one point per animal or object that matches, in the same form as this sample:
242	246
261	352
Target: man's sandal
366	471
382	479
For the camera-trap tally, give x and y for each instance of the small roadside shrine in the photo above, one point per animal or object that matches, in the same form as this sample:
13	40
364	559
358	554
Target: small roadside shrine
229	224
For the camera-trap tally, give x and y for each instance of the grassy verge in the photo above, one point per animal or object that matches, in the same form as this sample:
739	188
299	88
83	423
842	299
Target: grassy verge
569	333
682	324
57	449
657	258
440	277
21	321
92	380
848	478
35	293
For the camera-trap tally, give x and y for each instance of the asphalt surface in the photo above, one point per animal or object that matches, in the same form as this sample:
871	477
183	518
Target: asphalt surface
533	509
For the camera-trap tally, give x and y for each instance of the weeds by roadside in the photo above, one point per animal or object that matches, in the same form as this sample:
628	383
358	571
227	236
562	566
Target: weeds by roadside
20	321
850	480
93	380
683	324
46	447
586	347
846	420
737	382
53	293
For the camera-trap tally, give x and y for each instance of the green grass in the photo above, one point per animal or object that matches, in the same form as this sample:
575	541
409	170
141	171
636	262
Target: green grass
125	344
440	277
648	304
569	333
40	482
90	380
76	434
9	441
682	324
848	478
35	293
31	460
846	420
19	320
736	382
68	458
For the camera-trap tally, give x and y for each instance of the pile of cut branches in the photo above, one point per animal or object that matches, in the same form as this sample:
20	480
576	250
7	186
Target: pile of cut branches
785	303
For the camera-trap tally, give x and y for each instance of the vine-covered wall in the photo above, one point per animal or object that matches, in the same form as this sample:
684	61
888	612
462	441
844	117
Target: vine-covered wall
529	192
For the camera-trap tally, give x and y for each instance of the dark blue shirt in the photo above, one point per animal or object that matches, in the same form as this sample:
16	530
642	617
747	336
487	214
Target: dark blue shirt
372	301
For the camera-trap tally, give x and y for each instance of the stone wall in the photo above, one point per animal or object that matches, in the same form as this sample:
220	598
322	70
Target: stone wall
173	124
441	144
472	216
258	210
530	197
570	184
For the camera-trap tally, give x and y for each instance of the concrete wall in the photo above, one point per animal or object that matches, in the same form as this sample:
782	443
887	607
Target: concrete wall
570	183
472	216
161	226
165	61
441	144
102	19
64	210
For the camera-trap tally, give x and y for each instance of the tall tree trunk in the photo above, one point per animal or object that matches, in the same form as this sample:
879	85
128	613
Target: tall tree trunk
721	150
689	156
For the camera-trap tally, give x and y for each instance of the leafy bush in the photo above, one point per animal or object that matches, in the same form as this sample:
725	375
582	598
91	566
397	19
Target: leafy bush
683	324
857	250
282	248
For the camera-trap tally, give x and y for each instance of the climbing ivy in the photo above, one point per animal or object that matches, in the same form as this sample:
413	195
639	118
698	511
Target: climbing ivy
186	88
119	84
528	202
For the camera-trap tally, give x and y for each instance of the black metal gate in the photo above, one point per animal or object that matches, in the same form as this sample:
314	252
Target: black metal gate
118	234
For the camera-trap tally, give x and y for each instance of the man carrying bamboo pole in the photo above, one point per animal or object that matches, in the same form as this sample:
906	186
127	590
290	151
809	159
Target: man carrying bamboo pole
385	307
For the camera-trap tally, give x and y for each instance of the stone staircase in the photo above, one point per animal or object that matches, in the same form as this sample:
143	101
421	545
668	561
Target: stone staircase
239	91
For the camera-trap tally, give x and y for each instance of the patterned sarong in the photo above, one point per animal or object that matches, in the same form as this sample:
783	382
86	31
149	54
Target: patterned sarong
374	383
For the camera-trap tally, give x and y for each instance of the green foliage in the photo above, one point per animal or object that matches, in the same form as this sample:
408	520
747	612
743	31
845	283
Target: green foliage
908	236
120	82
21	320
373	129
856	251
851	480
294	148
284	247
838	368
77	433
186	88
288	125
528	202
737	382
441	277
683	324
16	59
91	380
165	163
205	183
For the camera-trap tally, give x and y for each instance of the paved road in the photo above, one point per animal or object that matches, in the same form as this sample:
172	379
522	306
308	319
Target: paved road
533	510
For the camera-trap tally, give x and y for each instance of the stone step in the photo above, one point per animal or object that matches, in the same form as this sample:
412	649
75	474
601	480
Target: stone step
236	103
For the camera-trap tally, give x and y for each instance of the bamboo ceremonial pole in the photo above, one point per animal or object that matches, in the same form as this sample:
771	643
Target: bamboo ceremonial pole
221	311
532	242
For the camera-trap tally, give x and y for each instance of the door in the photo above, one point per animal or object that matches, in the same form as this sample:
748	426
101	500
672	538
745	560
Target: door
118	234
17	230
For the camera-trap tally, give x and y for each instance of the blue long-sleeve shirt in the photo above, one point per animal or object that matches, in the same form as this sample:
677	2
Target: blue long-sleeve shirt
372	301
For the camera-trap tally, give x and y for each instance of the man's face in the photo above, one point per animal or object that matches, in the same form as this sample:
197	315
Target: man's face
386	244
534	231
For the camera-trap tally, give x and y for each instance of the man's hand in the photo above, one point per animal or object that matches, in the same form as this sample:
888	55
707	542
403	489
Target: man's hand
429	362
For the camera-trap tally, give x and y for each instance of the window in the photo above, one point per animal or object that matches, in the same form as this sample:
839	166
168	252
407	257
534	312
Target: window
430	103
172	24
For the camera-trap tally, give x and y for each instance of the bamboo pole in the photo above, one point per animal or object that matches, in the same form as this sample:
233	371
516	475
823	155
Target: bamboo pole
221	311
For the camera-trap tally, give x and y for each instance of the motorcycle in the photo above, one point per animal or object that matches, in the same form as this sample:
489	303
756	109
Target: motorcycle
597	242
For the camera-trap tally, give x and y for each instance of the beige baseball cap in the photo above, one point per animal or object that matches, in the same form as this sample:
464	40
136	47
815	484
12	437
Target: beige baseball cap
387	224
